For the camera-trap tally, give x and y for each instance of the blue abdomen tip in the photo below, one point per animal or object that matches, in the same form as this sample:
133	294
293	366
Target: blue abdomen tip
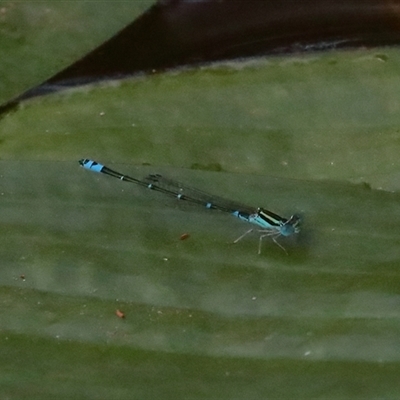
92	165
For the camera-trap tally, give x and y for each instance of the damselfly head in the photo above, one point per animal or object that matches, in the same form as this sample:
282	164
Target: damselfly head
83	161
291	226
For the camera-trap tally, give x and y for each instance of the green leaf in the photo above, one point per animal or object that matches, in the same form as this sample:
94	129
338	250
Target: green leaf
38	39
206	318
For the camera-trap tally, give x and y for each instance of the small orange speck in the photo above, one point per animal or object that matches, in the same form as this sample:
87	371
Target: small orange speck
119	314
184	236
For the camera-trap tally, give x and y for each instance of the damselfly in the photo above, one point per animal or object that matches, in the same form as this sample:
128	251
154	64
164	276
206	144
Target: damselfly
268	223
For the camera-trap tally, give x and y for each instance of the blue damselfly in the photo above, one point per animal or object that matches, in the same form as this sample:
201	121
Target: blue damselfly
268	223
